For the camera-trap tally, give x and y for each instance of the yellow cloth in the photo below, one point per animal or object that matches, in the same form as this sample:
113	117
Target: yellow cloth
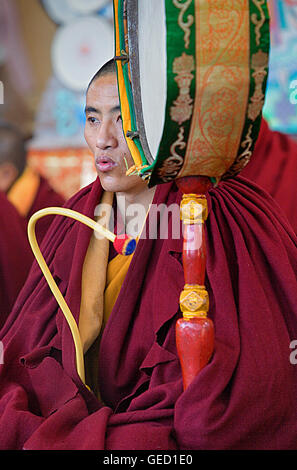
101	284
23	192
116	273
94	280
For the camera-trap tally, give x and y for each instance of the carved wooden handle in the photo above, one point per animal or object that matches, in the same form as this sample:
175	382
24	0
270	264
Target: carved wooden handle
194	332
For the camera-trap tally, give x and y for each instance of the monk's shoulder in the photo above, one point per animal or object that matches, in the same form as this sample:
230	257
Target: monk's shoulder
80	198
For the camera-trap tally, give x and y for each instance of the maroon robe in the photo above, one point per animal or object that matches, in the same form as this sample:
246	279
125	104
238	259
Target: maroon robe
15	256
273	166
245	398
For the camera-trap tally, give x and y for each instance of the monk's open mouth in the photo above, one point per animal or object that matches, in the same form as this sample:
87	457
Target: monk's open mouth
104	164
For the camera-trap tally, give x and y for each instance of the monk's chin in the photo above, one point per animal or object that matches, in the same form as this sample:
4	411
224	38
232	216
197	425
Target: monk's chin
121	184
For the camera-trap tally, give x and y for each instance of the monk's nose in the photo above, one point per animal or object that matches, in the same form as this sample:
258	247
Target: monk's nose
106	136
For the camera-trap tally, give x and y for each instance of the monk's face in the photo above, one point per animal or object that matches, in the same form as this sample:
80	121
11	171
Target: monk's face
104	136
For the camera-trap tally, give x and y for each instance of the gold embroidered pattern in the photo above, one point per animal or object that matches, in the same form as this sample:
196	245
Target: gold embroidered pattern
258	22
172	165
222	31
185	26
259	63
183	105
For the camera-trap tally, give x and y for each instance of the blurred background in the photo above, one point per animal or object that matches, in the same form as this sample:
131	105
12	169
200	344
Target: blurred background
281	101
49	49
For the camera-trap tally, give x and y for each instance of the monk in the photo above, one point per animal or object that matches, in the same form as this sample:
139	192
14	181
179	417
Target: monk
25	188
126	309
273	166
15	256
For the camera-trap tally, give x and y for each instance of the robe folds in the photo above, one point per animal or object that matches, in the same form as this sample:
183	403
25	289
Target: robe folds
16	257
273	166
245	398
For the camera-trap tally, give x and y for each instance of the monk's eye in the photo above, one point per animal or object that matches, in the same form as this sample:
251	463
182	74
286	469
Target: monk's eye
92	120
119	118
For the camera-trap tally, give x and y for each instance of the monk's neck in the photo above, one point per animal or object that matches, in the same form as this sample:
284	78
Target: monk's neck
141	201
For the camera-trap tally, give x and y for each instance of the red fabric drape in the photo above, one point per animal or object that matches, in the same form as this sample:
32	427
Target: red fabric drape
273	166
15	256
245	398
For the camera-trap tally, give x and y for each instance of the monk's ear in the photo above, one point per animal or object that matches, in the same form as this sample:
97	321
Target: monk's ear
8	175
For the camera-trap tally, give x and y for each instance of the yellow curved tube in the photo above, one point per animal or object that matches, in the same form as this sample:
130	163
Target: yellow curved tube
49	278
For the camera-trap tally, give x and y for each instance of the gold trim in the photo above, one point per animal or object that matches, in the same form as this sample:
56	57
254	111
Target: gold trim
193	209
258	63
185	26
183	106
194	301
171	166
258	22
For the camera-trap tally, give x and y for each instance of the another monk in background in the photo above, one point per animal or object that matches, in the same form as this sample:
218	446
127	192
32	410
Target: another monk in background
273	166
25	189
15	256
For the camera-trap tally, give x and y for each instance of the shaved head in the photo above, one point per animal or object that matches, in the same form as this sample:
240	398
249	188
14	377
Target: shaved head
108	68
